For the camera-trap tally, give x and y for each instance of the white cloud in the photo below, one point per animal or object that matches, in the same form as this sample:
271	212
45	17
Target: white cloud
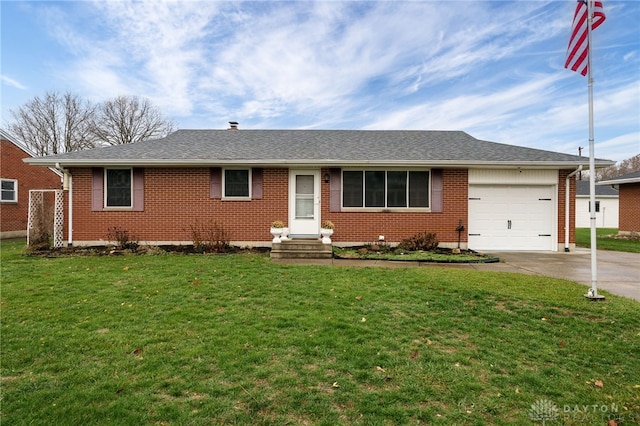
12	82
493	69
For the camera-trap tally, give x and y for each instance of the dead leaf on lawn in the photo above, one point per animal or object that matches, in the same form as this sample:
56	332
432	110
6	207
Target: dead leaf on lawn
562	343
598	384
358	297
137	351
378	368
363	319
612	423
126	268
335	385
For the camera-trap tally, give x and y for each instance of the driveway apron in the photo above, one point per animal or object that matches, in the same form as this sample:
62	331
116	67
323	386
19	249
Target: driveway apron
617	272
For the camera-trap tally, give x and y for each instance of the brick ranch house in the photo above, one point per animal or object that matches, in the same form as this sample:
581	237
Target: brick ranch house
17	178
370	184
629	202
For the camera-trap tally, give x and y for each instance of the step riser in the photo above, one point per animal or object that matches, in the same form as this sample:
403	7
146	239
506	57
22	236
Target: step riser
300	255
301	249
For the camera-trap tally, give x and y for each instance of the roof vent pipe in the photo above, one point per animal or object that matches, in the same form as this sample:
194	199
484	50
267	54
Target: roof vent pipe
233	125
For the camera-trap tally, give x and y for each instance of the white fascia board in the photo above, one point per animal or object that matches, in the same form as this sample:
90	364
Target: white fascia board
619	181
44	161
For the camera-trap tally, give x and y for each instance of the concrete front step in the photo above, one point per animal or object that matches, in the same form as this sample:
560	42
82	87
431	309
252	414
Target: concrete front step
301	249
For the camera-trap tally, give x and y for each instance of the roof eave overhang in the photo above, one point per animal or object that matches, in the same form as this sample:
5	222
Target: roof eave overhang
44	161
619	181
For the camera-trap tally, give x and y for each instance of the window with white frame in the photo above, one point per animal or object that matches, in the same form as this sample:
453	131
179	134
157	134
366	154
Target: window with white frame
118	187
236	183
385	188
9	191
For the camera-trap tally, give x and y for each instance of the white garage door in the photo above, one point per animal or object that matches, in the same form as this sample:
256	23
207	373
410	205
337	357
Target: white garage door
511	217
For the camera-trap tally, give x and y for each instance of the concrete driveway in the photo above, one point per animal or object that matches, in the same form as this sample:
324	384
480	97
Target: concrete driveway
618	272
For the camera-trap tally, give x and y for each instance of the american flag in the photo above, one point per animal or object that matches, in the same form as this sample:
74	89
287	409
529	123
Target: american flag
578	51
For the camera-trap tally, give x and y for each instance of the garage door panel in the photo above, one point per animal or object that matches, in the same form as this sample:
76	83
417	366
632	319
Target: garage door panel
511	217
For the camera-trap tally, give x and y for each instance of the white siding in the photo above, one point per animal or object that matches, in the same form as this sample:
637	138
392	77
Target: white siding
607	217
513	177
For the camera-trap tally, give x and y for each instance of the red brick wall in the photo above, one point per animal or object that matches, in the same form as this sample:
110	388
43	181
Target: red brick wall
629	208
14	215
176	199
367	226
562	177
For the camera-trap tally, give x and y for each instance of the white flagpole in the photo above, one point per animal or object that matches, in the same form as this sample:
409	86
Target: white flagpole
592	169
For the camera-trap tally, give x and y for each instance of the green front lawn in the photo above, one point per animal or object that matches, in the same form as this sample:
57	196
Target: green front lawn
236	339
607	239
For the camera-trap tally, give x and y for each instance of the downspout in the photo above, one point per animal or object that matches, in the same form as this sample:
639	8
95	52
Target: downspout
567	207
67	185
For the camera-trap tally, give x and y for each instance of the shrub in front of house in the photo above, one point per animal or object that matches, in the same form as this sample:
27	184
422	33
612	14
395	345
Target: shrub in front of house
426	241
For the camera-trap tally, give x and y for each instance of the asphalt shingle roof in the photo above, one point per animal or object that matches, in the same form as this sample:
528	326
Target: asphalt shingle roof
320	147
582	189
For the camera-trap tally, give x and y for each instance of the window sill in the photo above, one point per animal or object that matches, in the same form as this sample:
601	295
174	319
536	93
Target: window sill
9	202
386	210
117	209
236	198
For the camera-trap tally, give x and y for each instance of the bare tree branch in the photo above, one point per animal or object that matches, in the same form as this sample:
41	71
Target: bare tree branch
54	124
130	119
624	167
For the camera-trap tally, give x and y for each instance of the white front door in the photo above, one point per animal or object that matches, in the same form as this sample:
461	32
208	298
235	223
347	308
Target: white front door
304	203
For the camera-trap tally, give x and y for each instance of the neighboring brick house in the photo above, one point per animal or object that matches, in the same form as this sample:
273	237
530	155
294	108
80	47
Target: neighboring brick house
371	184
17	178
629	201
606	206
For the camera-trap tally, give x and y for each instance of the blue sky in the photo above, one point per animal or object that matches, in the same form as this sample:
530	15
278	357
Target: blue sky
491	68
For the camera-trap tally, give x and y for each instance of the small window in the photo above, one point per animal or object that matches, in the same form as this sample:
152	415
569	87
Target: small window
9	191
118	188
237	183
352	189
597	206
374	189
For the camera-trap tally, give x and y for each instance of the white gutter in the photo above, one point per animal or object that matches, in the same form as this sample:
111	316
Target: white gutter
43	161
67	185
566	206
613	182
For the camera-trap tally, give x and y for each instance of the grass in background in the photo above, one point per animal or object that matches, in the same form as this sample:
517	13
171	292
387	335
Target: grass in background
605	241
235	339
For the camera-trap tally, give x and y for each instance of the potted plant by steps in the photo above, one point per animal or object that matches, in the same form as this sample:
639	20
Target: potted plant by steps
277	228
326	231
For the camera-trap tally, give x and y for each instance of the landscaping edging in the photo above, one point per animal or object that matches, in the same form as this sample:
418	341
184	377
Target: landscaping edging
390	257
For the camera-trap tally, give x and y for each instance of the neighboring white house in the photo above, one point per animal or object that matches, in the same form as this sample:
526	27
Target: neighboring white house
606	206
